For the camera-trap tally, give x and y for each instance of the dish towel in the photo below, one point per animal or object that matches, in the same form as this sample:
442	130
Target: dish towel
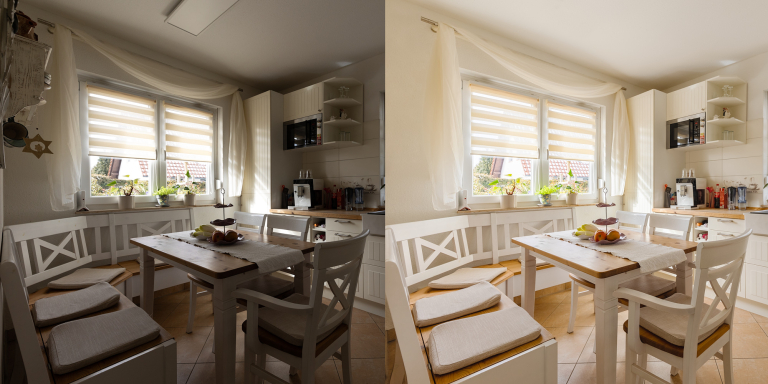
651	257
269	257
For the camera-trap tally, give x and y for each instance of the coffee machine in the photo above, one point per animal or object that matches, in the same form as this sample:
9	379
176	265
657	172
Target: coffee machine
691	192
307	194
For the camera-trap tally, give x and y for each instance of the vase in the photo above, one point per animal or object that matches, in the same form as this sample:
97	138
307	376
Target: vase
163	200
570	198
545	199
125	202
508	201
189	199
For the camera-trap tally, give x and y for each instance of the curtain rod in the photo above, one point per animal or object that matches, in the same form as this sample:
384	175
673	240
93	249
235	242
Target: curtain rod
436	24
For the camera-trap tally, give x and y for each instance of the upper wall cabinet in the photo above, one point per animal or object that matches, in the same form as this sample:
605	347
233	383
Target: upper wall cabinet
687	101
303	102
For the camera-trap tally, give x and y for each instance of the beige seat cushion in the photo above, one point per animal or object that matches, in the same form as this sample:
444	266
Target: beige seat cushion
79	343
85	277
672	327
466	277
460	343
290	326
437	309
58	309
650	284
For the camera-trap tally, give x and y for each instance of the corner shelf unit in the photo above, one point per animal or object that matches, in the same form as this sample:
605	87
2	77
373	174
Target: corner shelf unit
335	130
736	104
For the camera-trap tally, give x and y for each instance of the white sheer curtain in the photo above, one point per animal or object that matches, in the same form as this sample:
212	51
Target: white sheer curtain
60	117
548	76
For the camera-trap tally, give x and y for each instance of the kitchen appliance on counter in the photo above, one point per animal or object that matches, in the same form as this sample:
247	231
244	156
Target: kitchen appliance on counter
687	131
691	192
733	198
307	194
303	132
742	191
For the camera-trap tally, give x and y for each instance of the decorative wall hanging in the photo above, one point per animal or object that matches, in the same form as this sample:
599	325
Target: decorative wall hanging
37	146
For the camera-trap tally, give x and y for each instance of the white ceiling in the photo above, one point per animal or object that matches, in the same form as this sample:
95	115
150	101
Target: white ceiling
650	43
268	44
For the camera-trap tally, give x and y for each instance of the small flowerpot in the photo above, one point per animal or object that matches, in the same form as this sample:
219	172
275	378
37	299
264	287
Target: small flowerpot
163	200
125	202
508	201
189	199
545	199
570	198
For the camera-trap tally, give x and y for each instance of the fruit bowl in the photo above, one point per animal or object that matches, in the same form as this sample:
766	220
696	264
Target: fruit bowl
240	237
607	242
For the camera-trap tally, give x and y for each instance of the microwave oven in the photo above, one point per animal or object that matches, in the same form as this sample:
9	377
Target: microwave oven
303	132
687	131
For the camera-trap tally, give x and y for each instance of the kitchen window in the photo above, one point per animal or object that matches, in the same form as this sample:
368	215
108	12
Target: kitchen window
530	139
150	140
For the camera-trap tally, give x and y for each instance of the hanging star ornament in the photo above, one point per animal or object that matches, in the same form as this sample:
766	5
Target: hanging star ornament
36	146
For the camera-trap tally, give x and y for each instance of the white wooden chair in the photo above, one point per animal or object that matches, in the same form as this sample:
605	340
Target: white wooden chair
254	220
536	365
334	261
289	227
154	364
719	264
674	226
632	221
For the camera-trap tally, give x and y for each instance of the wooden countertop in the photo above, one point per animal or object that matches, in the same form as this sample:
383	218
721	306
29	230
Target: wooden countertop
524	208
721	213
327	213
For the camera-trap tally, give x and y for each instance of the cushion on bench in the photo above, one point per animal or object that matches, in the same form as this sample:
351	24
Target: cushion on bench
79	343
58	309
437	309
460	343
85	277
466	277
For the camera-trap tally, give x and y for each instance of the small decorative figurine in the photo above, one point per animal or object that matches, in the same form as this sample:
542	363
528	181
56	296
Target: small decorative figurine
36	146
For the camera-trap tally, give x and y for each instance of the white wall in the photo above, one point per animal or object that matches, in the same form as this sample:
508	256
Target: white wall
26	193
358	164
744	163
410	44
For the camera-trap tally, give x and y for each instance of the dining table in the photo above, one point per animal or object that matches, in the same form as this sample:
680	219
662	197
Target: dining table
606	272
225	272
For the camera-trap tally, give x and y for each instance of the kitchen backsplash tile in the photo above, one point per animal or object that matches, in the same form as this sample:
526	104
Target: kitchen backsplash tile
321	156
359	167
742	166
753	148
370	148
754	128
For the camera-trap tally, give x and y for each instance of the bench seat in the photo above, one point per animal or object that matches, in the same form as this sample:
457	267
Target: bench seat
49	292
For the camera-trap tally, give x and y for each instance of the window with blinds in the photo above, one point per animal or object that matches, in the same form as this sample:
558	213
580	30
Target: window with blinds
188	134
503	123
121	125
571	132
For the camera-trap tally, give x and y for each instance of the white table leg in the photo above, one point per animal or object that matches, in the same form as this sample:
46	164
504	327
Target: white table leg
684	279
606	325
147	272
301	277
224	323
528	295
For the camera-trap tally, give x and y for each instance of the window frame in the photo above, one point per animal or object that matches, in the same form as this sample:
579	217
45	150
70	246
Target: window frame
158	167
540	166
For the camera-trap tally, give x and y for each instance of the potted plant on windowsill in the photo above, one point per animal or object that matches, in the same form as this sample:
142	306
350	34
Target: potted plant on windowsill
545	194
571	195
508	197
162	195
126	200
189	195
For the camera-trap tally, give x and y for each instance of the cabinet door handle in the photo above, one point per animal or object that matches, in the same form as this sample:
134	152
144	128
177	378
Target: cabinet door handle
725	221
343	221
342	235
726	234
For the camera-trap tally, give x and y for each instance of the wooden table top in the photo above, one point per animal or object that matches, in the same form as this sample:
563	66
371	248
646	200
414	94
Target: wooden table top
212	263
598	264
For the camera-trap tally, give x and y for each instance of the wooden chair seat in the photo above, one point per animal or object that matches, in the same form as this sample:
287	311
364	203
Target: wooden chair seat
623	302
276	342
650	338
49	292
268	285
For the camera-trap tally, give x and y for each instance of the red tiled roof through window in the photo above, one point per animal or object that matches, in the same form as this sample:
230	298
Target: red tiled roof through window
176	168
560	168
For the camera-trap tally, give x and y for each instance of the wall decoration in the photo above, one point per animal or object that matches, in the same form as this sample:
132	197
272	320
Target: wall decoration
37	146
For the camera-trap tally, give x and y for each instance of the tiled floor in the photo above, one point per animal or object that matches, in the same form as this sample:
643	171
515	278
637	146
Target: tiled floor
577	362
196	362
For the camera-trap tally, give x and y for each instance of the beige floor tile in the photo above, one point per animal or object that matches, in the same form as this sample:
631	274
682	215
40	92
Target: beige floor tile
585	315
585	374
379	319
367	341
325	374
621	344
174	298
764	326
706	374
749	341
570	345
746	371
206	374
180	315
182	372
189	345
364	371
555	298
741	316
360	316
564	372
200	299
760	319
389	361
542	311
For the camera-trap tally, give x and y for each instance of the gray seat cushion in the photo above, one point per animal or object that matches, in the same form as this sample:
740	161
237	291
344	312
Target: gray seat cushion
672	327
437	309
85	277
466	277
268	285
461	343
290	326
650	284
80	343
58	309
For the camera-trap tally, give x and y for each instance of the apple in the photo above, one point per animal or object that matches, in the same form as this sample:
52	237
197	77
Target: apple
217	236
230	236
613	235
600	235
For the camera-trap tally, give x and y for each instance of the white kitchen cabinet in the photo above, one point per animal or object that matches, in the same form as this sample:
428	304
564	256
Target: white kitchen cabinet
687	101
757	283
374	251
371	283
373	279
303	102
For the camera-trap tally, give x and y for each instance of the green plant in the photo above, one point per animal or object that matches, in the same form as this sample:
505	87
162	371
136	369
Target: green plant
126	189
188	184
508	189
165	191
548	190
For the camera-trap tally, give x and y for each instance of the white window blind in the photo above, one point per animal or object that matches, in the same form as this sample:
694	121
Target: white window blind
503	123
188	134
571	132
120	125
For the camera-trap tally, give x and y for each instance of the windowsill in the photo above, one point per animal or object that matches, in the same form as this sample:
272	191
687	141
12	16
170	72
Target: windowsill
140	209
526	207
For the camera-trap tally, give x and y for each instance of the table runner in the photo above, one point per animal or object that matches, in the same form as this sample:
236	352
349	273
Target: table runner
651	257
268	257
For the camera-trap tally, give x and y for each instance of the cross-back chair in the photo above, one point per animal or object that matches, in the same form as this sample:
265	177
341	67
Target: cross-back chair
302	331
674	226
632	221
289	227
255	220
682	330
